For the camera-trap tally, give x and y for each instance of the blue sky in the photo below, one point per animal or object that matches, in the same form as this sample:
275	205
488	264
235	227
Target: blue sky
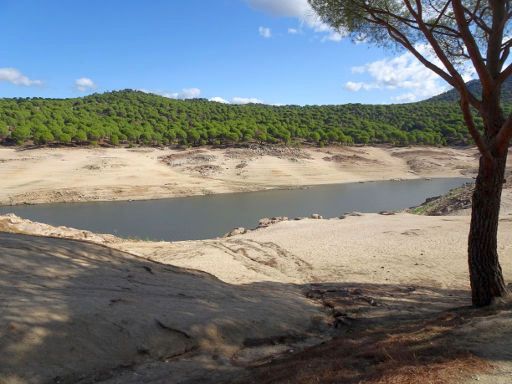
274	51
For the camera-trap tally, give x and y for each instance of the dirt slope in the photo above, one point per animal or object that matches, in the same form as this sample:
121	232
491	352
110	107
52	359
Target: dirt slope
71	310
93	174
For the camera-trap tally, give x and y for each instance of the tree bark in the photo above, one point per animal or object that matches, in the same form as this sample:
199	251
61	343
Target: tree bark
486	276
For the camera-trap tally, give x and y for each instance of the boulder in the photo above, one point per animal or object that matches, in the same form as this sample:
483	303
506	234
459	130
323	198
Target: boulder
266	222
236	231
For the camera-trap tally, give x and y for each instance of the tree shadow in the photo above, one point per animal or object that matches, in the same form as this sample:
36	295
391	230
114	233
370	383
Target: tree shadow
72	311
396	334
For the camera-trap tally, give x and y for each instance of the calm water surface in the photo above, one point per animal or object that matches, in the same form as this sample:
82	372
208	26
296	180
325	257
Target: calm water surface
203	217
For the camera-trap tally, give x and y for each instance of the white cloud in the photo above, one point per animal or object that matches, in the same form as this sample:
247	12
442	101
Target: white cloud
299	9
334	36
293	31
353	86
265	32
402	72
84	84
219	99
189	93
407	73
238	100
186	93
14	76
246	100
357	86
405	98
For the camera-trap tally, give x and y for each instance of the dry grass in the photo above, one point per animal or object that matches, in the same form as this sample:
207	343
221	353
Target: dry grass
415	352
402	361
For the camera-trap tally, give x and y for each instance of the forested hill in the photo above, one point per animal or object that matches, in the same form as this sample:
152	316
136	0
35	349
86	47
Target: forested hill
134	117
475	88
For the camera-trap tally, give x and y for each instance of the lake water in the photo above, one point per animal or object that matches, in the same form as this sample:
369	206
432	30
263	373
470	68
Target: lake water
202	217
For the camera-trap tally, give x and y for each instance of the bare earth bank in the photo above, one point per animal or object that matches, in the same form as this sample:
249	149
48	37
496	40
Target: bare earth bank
82	307
120	311
85	174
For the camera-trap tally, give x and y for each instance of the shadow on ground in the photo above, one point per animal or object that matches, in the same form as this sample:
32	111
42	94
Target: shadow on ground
398	335
72	312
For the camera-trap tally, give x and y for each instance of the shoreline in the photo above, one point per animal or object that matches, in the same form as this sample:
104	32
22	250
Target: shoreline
303	283
304	241
265	189
68	175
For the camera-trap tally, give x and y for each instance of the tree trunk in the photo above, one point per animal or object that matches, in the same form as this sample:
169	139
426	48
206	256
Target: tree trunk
486	277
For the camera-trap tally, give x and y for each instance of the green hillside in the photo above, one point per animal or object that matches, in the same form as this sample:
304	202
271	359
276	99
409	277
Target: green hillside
133	117
476	89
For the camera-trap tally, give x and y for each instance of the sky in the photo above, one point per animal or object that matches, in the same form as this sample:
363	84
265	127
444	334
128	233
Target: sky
236	51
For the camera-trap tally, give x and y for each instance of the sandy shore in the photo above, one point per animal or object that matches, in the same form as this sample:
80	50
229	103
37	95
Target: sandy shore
209	310
309	250
76	306
81	174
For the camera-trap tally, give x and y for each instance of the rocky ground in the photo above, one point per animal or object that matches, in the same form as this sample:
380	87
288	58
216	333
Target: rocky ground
458	201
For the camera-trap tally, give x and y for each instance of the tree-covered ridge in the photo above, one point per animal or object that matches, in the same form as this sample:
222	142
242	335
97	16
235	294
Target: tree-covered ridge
475	88
133	117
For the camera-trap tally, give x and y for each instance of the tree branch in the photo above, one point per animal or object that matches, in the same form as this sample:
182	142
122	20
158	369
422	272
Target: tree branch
405	42
495	41
478	19
477	137
502	139
505	74
472	47
441	13
458	83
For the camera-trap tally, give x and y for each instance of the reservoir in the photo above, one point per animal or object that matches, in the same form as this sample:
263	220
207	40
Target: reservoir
202	217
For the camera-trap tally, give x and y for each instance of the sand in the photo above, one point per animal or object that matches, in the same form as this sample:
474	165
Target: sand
102	174
72	310
77	306
404	249
207	310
